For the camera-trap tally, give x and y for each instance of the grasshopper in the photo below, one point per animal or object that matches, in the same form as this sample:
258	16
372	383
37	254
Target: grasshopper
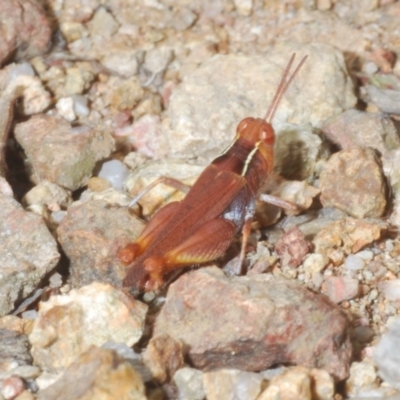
201	227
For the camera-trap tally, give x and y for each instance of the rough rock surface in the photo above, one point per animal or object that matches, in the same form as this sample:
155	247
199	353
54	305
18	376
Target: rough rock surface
386	355
14	349
49	194
241	331
25	29
292	247
68	325
60	153
300	383
353	181
232	384
97	374
27	252
163	357
189	382
349	234
340	288
91	235
205	110
356	128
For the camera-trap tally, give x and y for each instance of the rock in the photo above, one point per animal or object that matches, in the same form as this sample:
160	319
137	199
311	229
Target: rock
91	235
387	100
163	356
315	263
390	289
146	136
49	194
60	153
161	194
189	382
26	395
130	355
390	162
348	234
28	253
354	263
103	23
7	101
11	387
356	128
292	247
205	110
352	181
362	377
232	384
14	349
115	172
340	288
27	31
97	185
291	384
386	355
97	374
111	196
20	79
68	325
65	107
241	332
300	383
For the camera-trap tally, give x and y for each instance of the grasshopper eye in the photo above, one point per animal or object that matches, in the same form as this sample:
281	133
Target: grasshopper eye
243	124
267	133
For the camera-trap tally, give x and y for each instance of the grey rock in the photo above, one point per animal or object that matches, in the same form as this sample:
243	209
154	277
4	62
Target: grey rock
91	235
27	252
205	110
60	153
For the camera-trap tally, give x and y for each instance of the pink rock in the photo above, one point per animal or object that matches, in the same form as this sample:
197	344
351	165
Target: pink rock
12	387
292	247
341	288
254	322
27	32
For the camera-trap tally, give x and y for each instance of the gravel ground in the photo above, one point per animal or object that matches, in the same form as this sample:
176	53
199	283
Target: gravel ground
98	99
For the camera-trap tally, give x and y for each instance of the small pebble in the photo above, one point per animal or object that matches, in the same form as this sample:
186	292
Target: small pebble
12	387
366	255
354	263
97	184
370	68
390	289
363	334
389	245
341	288
23	69
115	172
65	107
387	356
80	105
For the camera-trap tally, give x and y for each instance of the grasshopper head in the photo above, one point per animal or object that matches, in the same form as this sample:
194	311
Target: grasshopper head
256	130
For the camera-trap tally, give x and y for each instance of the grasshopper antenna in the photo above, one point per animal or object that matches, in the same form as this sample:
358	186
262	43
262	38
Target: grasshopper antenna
282	88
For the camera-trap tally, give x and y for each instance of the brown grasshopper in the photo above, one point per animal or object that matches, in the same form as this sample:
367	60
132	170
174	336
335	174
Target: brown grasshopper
201	227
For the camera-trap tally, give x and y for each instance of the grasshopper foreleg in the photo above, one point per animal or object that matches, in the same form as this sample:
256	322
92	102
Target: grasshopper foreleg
178	185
